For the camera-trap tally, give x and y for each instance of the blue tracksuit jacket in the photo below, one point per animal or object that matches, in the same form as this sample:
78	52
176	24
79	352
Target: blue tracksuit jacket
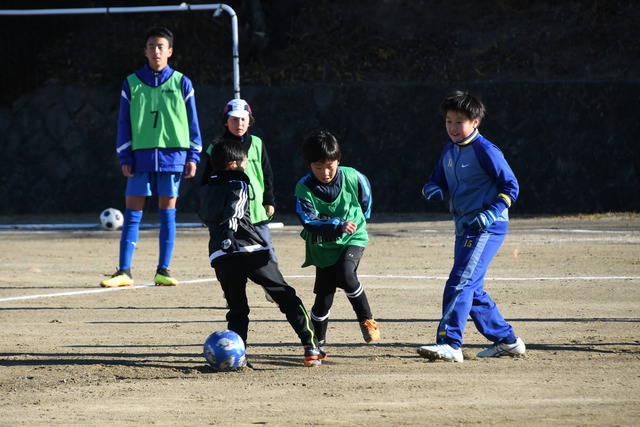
477	177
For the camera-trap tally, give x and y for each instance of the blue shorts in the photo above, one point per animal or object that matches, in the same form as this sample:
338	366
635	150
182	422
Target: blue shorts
164	184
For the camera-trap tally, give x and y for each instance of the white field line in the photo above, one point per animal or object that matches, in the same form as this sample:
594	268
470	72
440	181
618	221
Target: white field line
93	291
575	230
370	276
58	227
30	228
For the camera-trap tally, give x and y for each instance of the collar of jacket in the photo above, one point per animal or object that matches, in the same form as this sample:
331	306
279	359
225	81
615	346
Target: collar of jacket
220	177
148	76
244	139
470	138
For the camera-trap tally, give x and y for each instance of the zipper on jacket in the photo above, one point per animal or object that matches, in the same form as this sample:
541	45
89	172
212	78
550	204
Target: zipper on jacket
457	151
156	76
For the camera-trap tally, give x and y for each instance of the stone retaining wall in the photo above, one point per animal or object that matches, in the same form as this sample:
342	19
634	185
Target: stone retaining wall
569	143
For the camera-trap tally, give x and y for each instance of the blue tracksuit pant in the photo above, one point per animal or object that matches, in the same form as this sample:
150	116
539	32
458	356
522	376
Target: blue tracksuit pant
464	293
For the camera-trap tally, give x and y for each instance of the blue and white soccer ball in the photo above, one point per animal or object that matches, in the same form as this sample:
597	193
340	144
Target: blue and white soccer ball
111	219
224	350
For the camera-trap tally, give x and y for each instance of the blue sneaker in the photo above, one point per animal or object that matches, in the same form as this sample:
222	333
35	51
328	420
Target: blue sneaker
442	352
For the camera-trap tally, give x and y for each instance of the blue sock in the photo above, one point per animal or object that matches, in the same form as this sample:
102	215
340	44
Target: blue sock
511	339
129	237
167	236
453	345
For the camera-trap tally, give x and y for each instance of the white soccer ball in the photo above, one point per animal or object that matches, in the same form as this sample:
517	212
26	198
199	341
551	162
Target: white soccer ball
111	219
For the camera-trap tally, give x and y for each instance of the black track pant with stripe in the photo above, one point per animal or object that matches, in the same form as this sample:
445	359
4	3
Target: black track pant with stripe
343	274
234	270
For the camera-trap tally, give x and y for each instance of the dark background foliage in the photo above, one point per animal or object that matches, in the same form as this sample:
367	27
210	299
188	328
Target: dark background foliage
560	80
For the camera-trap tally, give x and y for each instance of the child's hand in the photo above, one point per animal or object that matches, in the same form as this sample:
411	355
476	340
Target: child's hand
270	210
483	219
190	170
126	171
432	193
229	242
349	227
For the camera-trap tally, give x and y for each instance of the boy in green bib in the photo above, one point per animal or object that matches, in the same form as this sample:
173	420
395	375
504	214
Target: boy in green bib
333	203
158	144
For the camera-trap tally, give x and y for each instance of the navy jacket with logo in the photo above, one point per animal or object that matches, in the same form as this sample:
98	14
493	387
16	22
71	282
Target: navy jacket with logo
477	177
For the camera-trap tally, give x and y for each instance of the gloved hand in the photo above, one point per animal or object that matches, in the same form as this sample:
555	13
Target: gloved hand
432	193
483	219
229	242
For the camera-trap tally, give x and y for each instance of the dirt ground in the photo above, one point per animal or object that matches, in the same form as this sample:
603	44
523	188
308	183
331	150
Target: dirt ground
72	353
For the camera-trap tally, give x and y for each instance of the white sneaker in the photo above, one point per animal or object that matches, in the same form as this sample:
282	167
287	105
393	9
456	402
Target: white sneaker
501	349
441	351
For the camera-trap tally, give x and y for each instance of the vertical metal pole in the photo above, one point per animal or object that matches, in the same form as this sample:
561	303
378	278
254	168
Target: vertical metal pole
236	55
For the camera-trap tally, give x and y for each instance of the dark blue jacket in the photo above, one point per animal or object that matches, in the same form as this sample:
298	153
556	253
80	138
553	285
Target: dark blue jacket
477	177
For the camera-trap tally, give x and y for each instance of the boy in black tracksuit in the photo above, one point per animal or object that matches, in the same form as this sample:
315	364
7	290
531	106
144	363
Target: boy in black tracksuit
238	253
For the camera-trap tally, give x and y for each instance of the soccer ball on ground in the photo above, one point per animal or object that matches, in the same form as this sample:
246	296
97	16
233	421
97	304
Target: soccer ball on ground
224	350
111	219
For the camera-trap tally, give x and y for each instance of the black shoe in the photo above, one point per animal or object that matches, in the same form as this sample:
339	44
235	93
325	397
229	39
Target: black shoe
244	363
313	356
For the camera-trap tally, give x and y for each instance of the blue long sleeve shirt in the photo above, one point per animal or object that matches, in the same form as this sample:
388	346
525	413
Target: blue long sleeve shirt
159	159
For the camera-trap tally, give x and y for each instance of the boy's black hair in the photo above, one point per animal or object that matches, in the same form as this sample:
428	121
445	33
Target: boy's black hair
225	152
159	32
320	146
464	102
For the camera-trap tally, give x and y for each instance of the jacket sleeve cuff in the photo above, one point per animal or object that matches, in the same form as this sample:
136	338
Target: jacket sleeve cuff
501	203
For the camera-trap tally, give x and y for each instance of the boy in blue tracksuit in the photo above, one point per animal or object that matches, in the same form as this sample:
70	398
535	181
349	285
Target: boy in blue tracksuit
482	187
158	140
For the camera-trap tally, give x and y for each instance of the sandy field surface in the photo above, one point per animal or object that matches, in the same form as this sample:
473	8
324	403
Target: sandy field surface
72	353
